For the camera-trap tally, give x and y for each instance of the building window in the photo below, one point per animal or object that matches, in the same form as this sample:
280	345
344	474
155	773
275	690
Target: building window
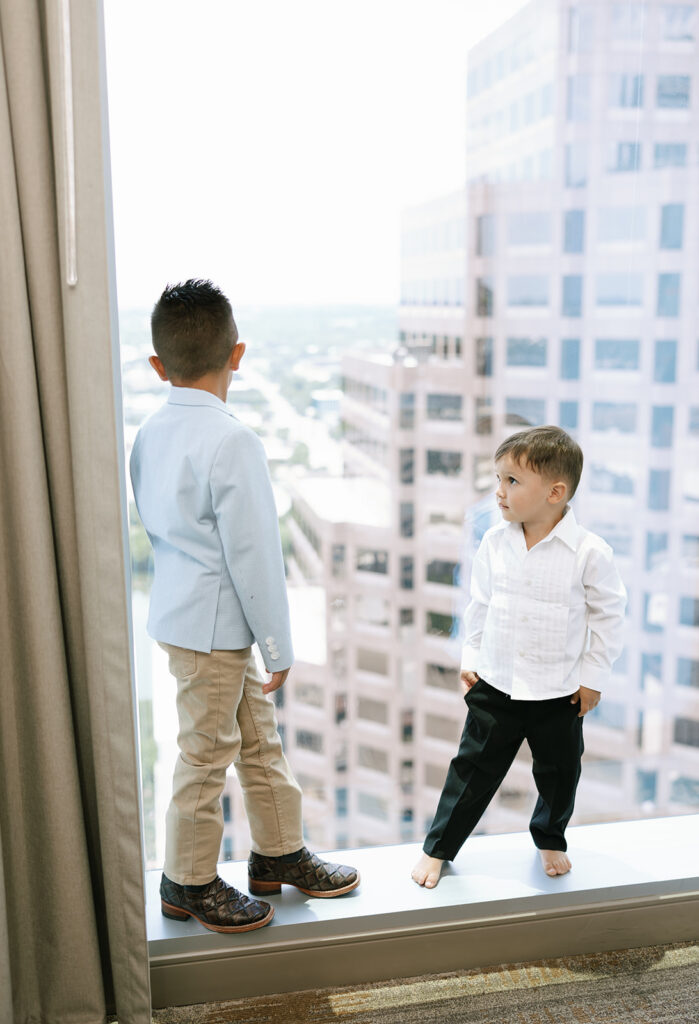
611	480
444	407
578	98
484	296
338	560
621	224
525	412
439	571
688	673
407	465
690	550
659	490
646	786
673	91
526	351
628	22
406	572
571	298
665	369
613	354
485	235
689	611
624	156
671	225
307	740
670	154
406	419
668	295
227	848
439	624
580	30
484	416
570	359
443	463
693	428
311	694
678	22
226	806
576	165
372	710
371	560
614	416
373	806
661	426
656	550
610	714
620	289
372	758
406	725
407	518
372	661
484	357
686	732
685	790
529	229
341	802
568	415
574	231
625	90
442	678
437	727
527	290
651	672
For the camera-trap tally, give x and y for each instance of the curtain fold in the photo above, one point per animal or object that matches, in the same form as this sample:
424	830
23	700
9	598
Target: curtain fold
72	904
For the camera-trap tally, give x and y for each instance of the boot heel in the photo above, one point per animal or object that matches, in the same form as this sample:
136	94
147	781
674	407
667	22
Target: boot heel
174	913
258	888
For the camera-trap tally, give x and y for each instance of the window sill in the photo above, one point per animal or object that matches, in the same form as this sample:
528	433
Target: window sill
632	884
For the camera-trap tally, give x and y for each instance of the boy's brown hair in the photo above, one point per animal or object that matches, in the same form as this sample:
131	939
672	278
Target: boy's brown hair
549	451
193	329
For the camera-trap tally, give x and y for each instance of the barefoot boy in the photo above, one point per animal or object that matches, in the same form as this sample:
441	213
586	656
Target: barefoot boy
203	492
542	630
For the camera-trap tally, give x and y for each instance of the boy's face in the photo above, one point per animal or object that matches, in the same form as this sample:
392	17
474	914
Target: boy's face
524	496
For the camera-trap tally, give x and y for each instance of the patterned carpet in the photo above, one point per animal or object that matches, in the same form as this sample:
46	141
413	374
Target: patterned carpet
656	985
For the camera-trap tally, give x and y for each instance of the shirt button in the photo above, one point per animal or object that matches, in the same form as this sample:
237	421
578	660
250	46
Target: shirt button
521	654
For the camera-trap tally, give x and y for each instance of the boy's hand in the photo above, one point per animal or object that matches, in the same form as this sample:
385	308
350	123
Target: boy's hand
468	679
278	679
588	698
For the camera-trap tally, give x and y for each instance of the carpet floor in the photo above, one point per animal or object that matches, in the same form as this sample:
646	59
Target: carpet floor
655	985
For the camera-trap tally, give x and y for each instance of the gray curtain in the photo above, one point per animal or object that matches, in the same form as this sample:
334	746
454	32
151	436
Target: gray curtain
72	919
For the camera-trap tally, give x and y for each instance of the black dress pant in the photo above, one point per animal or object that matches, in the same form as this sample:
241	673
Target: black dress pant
495	727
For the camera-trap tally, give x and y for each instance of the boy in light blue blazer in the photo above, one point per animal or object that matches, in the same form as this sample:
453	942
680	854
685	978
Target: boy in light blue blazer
204	495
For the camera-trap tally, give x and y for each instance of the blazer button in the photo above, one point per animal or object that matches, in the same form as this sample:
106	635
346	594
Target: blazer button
275	656
269	640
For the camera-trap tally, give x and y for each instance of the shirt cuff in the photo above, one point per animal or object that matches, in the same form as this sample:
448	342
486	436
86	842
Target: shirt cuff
594	676
469	658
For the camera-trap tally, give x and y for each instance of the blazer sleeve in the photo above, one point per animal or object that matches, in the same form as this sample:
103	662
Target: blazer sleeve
243	503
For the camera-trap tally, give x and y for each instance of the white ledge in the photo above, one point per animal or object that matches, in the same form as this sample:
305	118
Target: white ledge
632	883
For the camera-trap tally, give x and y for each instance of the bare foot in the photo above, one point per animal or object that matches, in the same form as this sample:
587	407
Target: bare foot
427	871
555	862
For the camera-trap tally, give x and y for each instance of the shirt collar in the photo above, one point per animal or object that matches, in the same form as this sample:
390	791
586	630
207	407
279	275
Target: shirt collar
195	396
566	529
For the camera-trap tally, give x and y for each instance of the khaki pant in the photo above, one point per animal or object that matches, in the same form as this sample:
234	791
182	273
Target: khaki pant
224	719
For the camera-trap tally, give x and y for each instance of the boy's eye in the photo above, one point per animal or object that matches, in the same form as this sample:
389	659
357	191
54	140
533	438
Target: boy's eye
512	480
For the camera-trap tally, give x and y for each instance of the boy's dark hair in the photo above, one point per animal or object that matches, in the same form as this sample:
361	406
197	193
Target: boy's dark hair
193	329
549	451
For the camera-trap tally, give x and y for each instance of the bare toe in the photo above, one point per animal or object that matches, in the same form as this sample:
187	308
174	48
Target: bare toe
555	862
427	871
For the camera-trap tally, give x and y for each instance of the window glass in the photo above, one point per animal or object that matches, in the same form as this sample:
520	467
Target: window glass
570	358
407	518
627	22
668	295
444	407
568	415
659	489
661	426
678	22
619	289
442	677
527	290
578	97
407	410
439	624
483	416
572	298
581	26
371	560
614	416
671	225
688	672
621	224
664	370
372	710
484	357
372	661
441	571
611	480
625	90
443	463
484	296
574	231
616	354
526	351
372	610
485	235
673	91
576	164
529	229
670	154
624	156
525	412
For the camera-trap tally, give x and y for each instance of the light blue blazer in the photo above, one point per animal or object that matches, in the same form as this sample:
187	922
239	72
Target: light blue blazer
204	495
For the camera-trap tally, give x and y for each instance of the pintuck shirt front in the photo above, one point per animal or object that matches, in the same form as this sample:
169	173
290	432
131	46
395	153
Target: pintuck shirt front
541	622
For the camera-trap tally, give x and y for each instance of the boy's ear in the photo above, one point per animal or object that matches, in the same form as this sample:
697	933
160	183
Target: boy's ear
158	367
558	492
236	355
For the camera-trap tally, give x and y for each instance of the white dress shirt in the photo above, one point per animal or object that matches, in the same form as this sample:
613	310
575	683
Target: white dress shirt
204	495
543	621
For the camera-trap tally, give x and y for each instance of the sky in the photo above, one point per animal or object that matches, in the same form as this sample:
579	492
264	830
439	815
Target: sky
271	145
